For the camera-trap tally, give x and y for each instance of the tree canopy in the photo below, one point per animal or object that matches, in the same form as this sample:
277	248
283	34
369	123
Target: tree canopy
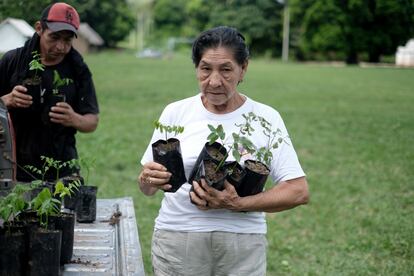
321	29
353	28
259	20
327	29
112	19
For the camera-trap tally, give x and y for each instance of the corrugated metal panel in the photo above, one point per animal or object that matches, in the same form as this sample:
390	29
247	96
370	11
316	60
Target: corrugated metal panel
110	245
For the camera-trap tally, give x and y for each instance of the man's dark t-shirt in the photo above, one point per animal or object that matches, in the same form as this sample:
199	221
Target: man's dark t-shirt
35	135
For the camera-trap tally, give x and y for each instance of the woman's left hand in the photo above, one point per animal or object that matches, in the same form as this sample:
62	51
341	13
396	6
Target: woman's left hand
206	197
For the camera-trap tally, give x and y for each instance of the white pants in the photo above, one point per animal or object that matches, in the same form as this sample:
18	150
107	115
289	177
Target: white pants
208	254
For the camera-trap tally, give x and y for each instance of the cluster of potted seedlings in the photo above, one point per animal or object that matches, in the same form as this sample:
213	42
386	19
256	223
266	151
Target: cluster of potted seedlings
34	88
37	220
248	178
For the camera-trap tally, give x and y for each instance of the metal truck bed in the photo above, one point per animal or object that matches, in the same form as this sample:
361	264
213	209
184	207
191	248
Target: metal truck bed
110	245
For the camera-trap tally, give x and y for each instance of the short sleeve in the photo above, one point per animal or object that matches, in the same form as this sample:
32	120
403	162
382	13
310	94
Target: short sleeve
285	164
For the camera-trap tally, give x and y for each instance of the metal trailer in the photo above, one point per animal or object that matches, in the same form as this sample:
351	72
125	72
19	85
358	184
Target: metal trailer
110	245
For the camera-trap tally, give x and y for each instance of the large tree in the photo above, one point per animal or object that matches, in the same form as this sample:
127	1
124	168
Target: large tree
372	27
112	19
259	20
29	10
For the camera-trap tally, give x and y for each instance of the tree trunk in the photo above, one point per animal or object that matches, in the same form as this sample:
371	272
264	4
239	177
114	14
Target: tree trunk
352	57
374	56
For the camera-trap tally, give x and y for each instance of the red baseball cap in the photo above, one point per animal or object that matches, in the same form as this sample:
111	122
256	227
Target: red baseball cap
61	16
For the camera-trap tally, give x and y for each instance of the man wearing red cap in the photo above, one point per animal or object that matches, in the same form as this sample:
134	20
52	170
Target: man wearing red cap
43	128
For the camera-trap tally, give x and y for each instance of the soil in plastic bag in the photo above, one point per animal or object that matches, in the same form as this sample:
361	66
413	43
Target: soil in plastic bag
213	176
51	101
69	202
65	222
13	258
168	154
255	179
235	174
86	204
215	151
44	252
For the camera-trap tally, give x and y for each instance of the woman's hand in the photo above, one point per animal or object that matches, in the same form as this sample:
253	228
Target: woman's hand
206	197
153	177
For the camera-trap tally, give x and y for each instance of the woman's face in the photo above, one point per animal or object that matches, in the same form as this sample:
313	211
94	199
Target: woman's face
218	74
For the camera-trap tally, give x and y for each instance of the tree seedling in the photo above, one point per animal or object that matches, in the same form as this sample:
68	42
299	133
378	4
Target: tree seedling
36	65
274	138
48	163
242	145
240	142
12	204
45	205
168	129
84	164
59	82
60	188
63	191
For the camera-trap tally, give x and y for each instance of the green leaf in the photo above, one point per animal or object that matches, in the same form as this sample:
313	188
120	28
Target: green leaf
212	129
236	154
59	188
220	132
212	138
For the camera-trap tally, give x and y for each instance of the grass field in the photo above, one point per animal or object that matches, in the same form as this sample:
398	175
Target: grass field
353	129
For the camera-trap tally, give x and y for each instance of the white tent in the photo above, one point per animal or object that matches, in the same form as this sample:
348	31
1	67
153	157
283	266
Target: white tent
88	39
14	33
405	54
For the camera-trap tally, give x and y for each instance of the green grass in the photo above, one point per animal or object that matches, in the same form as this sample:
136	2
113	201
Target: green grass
353	130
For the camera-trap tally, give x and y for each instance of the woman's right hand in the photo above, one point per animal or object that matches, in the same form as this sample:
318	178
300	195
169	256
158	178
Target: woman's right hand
153	177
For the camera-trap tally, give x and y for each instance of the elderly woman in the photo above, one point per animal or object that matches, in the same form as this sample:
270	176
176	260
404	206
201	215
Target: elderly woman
204	231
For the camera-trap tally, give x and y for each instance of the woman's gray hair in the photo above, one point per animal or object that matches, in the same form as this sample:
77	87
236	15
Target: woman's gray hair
221	36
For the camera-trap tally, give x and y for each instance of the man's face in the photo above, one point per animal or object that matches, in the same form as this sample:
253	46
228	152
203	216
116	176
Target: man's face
55	45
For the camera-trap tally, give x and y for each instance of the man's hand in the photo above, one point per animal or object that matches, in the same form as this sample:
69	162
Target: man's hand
17	98
62	113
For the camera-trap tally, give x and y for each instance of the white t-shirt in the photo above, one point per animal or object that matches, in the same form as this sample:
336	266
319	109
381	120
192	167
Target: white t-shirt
177	213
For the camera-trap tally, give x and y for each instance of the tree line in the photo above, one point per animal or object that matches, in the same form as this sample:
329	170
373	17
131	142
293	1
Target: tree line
349	30
112	19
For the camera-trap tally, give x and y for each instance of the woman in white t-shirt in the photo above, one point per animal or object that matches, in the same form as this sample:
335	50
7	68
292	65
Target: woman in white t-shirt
205	231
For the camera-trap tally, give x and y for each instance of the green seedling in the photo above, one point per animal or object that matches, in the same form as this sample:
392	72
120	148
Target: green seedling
59	82
240	142
63	191
12	204
48	163
45	206
36	65
84	164
168	129
274	137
